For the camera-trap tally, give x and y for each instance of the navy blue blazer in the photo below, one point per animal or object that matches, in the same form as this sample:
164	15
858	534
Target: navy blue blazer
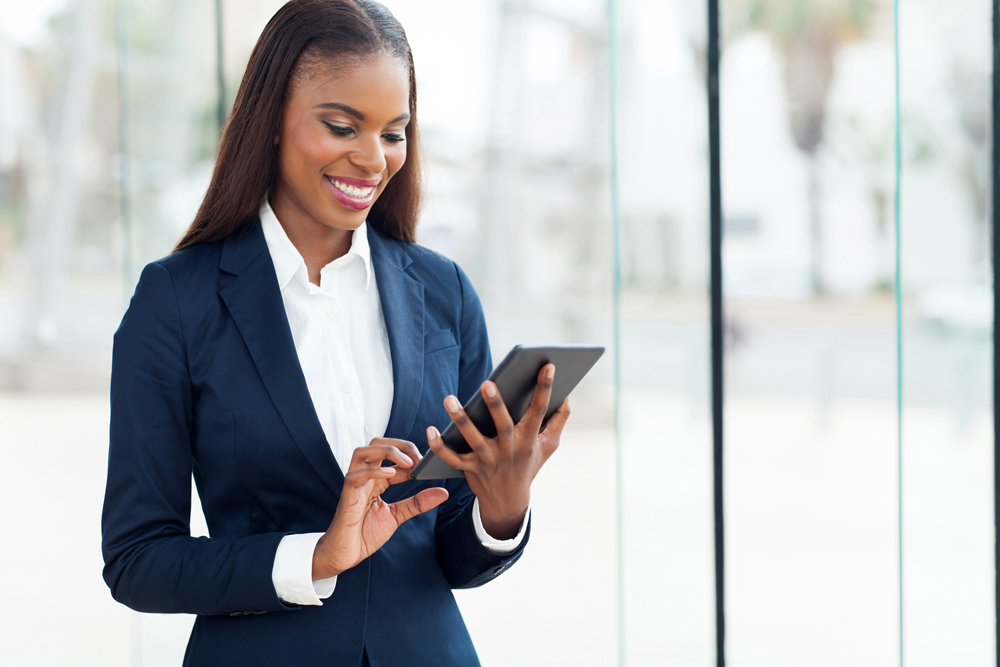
205	379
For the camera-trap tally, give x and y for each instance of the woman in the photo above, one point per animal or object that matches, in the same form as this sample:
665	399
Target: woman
294	342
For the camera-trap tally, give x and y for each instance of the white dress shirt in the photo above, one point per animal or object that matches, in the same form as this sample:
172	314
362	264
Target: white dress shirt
343	349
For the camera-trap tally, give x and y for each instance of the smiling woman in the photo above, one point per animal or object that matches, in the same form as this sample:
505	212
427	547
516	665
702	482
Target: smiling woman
298	354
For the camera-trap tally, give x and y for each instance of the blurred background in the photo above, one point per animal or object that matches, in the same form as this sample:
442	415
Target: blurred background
109	116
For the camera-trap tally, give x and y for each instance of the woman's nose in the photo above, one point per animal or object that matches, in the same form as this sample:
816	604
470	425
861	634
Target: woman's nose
370	155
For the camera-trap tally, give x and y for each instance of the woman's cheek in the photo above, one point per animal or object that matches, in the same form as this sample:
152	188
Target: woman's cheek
321	150
396	158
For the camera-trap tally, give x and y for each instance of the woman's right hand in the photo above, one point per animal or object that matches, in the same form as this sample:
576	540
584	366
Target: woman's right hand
363	522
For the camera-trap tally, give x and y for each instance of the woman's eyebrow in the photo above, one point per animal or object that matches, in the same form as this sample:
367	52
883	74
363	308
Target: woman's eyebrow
354	112
343	107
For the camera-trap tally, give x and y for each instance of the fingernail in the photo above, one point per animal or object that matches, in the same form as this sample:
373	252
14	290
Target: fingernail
432	433
490	389
409	461
452	404
551	373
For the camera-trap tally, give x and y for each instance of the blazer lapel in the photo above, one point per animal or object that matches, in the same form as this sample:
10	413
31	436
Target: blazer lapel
402	300
250	292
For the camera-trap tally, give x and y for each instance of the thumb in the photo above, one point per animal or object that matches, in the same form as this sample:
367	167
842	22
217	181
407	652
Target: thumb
426	500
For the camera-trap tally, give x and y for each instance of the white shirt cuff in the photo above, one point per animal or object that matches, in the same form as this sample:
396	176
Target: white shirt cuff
292	571
490	542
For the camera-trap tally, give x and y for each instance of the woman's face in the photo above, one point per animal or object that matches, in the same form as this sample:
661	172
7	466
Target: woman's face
341	138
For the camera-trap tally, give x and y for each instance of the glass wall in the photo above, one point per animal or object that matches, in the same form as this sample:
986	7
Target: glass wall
947	313
807	100
665	364
847	538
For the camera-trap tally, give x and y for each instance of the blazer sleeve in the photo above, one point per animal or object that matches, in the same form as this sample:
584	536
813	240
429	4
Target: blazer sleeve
152	563
466	563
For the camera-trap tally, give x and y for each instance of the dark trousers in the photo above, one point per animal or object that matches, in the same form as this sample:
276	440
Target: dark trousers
364	659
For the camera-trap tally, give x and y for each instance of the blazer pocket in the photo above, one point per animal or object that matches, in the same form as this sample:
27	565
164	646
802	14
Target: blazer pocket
439	340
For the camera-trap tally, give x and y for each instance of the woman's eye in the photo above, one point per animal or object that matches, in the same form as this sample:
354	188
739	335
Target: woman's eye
340	130
394	138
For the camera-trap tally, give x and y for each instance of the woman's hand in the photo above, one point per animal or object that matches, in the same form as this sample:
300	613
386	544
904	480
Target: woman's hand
363	522
500	470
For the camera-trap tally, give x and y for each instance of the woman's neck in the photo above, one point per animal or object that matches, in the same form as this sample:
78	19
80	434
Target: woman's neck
317	243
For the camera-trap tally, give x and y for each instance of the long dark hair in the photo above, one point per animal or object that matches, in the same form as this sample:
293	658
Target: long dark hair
248	159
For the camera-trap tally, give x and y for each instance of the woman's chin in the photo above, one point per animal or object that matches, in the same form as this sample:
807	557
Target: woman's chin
349	222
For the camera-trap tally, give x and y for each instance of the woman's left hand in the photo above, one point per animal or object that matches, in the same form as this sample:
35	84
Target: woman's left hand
500	470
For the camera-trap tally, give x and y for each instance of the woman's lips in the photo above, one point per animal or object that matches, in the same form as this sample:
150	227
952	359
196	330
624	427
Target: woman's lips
354	193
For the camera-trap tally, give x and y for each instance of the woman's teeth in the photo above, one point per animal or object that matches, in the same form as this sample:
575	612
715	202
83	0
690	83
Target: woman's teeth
353	191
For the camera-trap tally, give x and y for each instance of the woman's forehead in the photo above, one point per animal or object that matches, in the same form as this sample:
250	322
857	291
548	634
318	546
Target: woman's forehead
380	82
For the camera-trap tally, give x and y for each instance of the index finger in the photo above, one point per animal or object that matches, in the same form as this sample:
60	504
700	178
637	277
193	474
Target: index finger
408	449
405	446
373	455
539	405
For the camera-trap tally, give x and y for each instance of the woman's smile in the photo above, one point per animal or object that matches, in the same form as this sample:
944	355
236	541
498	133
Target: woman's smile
354	193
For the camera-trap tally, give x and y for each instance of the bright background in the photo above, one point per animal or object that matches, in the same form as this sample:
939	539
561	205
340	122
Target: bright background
109	114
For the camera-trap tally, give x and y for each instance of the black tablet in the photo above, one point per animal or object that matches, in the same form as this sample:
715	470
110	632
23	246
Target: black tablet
515	378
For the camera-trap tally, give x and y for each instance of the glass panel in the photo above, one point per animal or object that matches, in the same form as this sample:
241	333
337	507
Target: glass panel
172	119
948	535
665	420
811	469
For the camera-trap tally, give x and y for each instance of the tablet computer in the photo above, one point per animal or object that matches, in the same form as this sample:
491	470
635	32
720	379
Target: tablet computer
515	379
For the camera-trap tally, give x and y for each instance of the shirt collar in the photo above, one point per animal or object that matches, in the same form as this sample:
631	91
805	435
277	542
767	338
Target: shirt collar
288	261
